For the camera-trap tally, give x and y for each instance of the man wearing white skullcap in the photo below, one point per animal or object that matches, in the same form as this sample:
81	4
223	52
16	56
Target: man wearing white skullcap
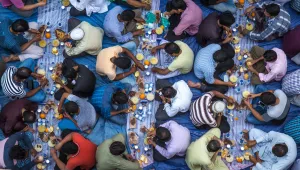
85	39
208	110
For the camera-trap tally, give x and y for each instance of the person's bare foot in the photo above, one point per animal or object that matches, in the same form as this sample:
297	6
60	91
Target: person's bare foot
194	85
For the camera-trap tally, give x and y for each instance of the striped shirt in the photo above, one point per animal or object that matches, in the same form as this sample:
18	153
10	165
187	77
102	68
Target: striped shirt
11	88
279	24
200	111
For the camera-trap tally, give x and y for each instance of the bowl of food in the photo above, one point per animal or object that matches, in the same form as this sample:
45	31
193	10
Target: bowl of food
55	43
134	100
247	156
54	51
229	158
153	60
246	94
233	78
38	147
139	56
42	43
150	96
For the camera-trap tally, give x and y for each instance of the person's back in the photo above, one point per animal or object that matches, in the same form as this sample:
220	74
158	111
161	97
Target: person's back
91	42
279	111
183	97
111	17
107	161
209	31
85	83
204	62
11	119
10	41
85	157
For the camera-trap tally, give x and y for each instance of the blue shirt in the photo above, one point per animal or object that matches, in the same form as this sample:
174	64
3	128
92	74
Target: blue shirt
102	97
270	161
113	27
204	66
10	41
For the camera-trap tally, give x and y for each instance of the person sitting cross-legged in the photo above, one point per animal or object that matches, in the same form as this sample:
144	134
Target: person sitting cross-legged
14	42
78	112
208	111
76	152
205	70
111	100
176	99
220	5
277	22
269	106
120	24
85	39
112	154
182	63
267	66
169	140
184	17
272	150
12	152
203	153
81	81
115	61
16	115
215	28
17	83
24	8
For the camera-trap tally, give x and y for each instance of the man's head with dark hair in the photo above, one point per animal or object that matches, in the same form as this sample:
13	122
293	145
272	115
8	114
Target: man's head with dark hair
213	146
220	56
18	153
163	134
178	6
69	73
69	148
122	62
272	10
19	26
268	98
23	73
270	56
120	97
117	148
280	150
29	116
126	15
71	108
172	49
226	19
169	92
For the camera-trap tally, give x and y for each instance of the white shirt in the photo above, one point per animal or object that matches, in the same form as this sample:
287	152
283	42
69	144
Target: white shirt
182	101
99	6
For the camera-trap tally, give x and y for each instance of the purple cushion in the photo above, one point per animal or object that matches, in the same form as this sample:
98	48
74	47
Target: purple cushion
291	41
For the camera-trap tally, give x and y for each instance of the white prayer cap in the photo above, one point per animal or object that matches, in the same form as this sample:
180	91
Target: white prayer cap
77	34
218	106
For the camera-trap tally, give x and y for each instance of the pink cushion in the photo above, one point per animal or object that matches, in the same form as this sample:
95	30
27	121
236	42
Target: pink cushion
291	42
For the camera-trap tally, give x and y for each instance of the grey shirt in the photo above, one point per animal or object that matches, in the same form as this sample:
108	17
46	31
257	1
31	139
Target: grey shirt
86	119
280	110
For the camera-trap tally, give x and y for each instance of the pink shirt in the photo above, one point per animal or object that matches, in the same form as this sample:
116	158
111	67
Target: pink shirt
190	19
17	3
277	69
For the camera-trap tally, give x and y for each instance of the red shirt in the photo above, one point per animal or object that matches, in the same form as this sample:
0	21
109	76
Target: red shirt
86	155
